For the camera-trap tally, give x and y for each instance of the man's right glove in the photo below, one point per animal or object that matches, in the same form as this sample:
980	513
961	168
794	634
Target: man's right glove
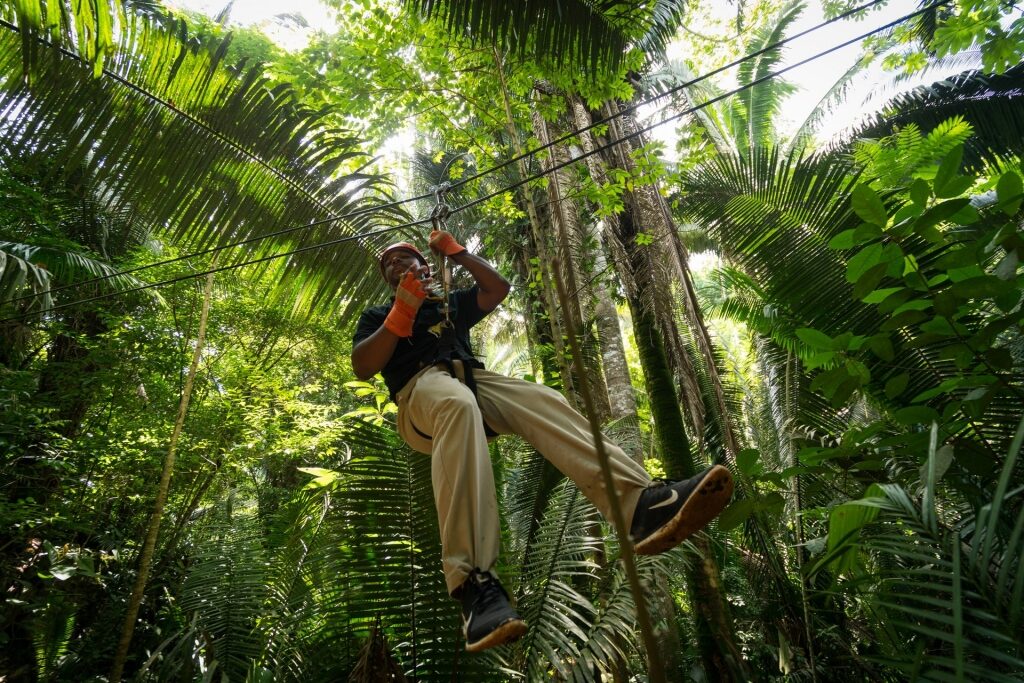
408	299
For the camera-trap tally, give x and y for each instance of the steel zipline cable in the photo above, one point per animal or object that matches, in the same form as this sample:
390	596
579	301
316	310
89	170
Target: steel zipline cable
479	200
394	204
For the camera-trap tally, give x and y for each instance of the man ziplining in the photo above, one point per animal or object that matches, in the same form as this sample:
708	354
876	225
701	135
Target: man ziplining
448	406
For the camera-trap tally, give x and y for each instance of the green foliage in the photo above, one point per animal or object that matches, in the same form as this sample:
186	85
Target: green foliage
950	288
946	584
949	28
590	38
208	154
872	295
87	27
894	160
225	589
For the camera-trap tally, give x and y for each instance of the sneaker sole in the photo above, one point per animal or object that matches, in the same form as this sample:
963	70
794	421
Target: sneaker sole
506	633
703	505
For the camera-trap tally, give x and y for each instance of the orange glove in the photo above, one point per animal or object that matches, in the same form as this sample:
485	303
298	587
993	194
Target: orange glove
443	242
408	298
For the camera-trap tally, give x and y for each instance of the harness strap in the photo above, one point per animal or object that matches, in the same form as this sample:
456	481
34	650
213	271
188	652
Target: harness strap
445	348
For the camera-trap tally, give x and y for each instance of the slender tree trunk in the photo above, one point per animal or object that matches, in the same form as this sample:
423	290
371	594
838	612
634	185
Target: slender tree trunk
148	546
647	218
618	387
716	638
566	223
662	216
544	256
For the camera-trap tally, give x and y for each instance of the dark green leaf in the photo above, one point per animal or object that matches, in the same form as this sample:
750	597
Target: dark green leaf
985	286
868	206
868	280
904	319
1009	190
814	338
920	191
955	187
895	300
916	415
949	170
863	260
881	346
843	240
747	461
735	514
939	213
880	295
896	385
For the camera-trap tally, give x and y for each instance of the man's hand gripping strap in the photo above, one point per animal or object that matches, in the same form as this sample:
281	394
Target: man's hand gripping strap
408	299
443	242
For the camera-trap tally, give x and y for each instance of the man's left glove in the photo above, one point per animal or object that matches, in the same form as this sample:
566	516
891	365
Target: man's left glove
443	242
408	298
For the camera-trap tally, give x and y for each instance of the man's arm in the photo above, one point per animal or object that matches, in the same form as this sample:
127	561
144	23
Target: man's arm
492	288
371	354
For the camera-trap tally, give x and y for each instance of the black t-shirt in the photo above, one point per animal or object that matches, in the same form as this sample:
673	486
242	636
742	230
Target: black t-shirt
414	352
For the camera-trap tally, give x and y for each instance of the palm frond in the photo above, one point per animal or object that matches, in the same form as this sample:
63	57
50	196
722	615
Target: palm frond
833	99
753	111
38	269
991	104
380	557
558	613
712	119
659	27
587	35
201	153
948	585
226	589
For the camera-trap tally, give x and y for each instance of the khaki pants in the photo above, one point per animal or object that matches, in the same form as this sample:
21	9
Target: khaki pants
438	415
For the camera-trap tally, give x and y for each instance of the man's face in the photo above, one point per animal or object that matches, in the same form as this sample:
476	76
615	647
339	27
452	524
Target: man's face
396	263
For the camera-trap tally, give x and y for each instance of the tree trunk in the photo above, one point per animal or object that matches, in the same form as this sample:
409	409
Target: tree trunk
662	284
716	642
566	223
64	380
148	546
543	255
661	216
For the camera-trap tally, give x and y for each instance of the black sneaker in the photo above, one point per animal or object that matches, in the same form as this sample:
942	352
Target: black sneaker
668	513
487	618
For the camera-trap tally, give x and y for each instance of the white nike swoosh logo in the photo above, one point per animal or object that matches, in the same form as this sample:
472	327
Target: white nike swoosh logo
668	501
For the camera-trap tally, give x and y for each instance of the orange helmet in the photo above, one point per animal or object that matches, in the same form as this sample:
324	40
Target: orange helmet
406	247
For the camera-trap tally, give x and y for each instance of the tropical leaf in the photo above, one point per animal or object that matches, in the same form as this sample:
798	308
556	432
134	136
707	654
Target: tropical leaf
206	155
752	112
226	590
949	585
991	104
548	595
38	269
587	35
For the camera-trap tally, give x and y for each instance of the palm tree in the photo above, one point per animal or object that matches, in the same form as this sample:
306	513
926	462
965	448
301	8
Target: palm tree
200	154
988	102
776	222
578	34
160	138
